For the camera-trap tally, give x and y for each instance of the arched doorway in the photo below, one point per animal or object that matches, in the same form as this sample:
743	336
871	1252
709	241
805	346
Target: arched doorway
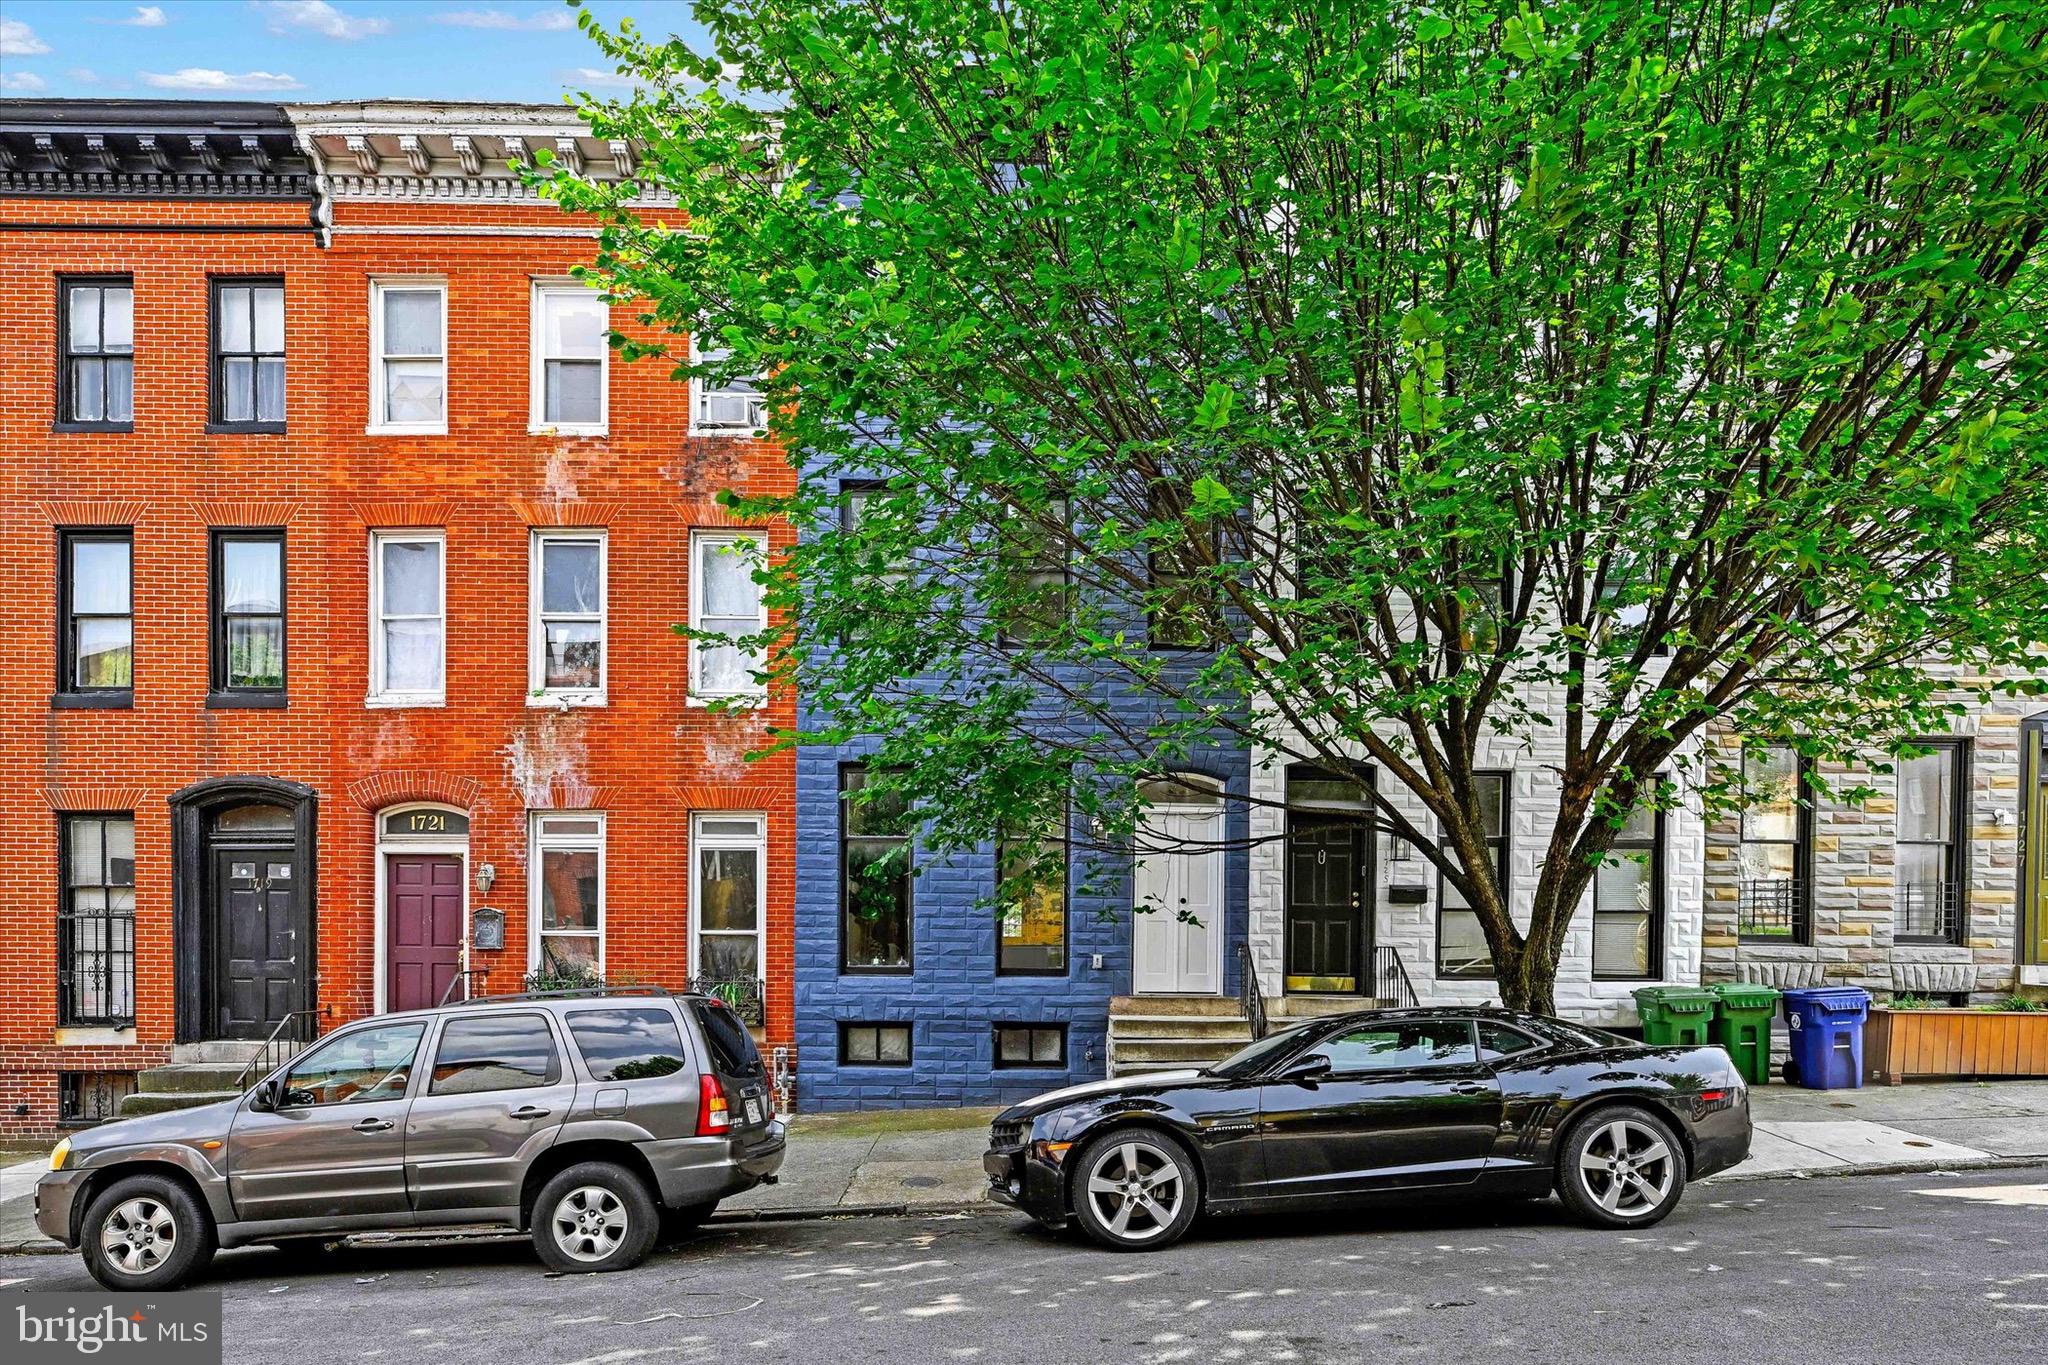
243	904
422	904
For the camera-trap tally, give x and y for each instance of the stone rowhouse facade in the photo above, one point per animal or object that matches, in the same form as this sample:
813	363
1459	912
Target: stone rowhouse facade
328	199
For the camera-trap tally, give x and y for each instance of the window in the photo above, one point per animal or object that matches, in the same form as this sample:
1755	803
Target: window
96	921
628	1045
1933	848
485	1052
1030	1045
726	599
1031	868
874	1045
726	405
92	1096
1460	942
248	354
730	852
96	360
1498	1040
362	1067
567	935
408	625
409	357
1176	611
1773	906
570	324
1399	1047
1032	568
874	876
96	611
1628	901
248	615
568	593
858	499
726	1039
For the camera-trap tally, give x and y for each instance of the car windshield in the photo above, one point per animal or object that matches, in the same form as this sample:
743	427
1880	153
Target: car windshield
1251	1059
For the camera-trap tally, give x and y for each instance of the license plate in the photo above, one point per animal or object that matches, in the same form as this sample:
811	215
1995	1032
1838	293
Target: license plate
754	1114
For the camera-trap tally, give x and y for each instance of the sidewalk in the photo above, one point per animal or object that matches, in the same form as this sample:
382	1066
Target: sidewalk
930	1159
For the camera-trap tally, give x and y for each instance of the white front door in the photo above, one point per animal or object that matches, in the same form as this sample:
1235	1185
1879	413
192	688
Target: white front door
1170	954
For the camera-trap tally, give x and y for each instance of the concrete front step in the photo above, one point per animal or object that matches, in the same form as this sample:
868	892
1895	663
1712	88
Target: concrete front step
1175	1004
1176	1049
1179	1026
190	1077
1148	1068
1321	1006
219	1052
164	1101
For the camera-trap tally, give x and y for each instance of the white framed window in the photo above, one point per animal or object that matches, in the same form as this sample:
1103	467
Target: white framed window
571	359
728	896
731	406
408	618
567	662
408	357
725	597
565	893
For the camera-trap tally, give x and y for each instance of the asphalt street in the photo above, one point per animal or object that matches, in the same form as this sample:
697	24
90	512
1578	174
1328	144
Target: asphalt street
1869	1269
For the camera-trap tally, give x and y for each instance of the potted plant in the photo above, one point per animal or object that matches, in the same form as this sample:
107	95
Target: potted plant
1916	1038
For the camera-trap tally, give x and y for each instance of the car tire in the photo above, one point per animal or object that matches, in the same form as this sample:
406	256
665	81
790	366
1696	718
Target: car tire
594	1217
1621	1167
146	1233
1135	1189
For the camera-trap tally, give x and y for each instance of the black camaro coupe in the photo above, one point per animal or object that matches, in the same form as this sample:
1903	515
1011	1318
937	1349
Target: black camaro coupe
1386	1103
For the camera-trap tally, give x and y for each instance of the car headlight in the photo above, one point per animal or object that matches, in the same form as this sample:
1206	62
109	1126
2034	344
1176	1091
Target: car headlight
57	1157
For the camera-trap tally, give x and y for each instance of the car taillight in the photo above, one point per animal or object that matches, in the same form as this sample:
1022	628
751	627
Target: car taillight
714	1115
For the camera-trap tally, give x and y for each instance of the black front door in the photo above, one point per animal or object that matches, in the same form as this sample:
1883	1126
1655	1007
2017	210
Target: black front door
1326	913
259	933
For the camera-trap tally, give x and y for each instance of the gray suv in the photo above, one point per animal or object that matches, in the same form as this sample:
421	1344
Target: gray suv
591	1118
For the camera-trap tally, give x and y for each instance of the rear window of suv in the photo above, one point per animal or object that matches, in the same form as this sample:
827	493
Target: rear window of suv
732	1047
628	1045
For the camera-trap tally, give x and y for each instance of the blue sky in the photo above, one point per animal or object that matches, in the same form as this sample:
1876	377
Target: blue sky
292	50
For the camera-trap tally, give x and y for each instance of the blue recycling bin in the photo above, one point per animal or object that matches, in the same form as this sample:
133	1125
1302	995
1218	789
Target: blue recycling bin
1825	1025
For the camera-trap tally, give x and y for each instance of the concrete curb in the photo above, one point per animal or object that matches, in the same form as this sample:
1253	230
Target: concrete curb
1738	1176
852	1211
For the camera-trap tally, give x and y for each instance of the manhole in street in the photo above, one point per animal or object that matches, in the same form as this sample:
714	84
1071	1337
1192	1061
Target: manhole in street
920	1182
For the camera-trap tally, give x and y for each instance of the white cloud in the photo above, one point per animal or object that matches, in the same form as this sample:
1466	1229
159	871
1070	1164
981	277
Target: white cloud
19	40
548	21
22	83
205	78
147	16
317	17
590	75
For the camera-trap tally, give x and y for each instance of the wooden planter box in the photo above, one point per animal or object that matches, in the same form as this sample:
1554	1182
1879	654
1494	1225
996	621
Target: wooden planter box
1906	1045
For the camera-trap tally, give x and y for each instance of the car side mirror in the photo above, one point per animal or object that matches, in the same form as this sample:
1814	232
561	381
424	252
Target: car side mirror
1312	1067
263	1099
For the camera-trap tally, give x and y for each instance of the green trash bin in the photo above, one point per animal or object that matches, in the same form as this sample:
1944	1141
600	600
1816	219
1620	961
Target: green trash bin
1743	1028
1676	1015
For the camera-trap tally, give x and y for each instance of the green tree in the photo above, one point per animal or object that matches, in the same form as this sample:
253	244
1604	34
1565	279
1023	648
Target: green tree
1579	375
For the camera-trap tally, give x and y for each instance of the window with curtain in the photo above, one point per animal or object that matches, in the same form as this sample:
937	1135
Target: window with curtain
1628	900
96	611
730	851
96	360
96	921
409	351
249	612
408	628
569	615
570	325
248	353
726	598
567	878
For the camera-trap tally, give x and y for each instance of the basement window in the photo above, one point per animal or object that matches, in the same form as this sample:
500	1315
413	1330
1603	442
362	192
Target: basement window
85	1097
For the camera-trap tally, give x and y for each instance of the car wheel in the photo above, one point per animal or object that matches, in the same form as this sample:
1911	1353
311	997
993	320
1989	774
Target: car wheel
146	1232
1621	1168
594	1217
1135	1189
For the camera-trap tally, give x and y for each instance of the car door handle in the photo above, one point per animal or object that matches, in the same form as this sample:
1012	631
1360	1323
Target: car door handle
373	1125
528	1111
1470	1088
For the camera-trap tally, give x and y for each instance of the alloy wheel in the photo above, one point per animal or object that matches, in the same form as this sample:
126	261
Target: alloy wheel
1627	1168
589	1222
1136	1190
139	1235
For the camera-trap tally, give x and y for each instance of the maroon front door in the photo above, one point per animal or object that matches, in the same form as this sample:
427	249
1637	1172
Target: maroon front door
423	899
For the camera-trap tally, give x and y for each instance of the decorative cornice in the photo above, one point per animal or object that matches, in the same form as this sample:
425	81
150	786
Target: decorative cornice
374	512
389	788
95	798
244	511
564	512
89	512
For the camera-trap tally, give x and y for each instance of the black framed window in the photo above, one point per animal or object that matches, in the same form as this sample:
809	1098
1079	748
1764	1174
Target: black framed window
1628	901
874	876
96	615
96	352
96	921
1461	948
1176	613
1933	843
1024	1046
248	616
875	1044
248	354
1036	587
85	1097
1031	872
1774	903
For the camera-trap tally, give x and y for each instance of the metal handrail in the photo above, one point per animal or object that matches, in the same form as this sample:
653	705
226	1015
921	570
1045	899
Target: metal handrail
1249	997
1390	979
463	976
277	1049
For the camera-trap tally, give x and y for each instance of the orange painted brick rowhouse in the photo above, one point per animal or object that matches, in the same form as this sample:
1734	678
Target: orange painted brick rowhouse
254	809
